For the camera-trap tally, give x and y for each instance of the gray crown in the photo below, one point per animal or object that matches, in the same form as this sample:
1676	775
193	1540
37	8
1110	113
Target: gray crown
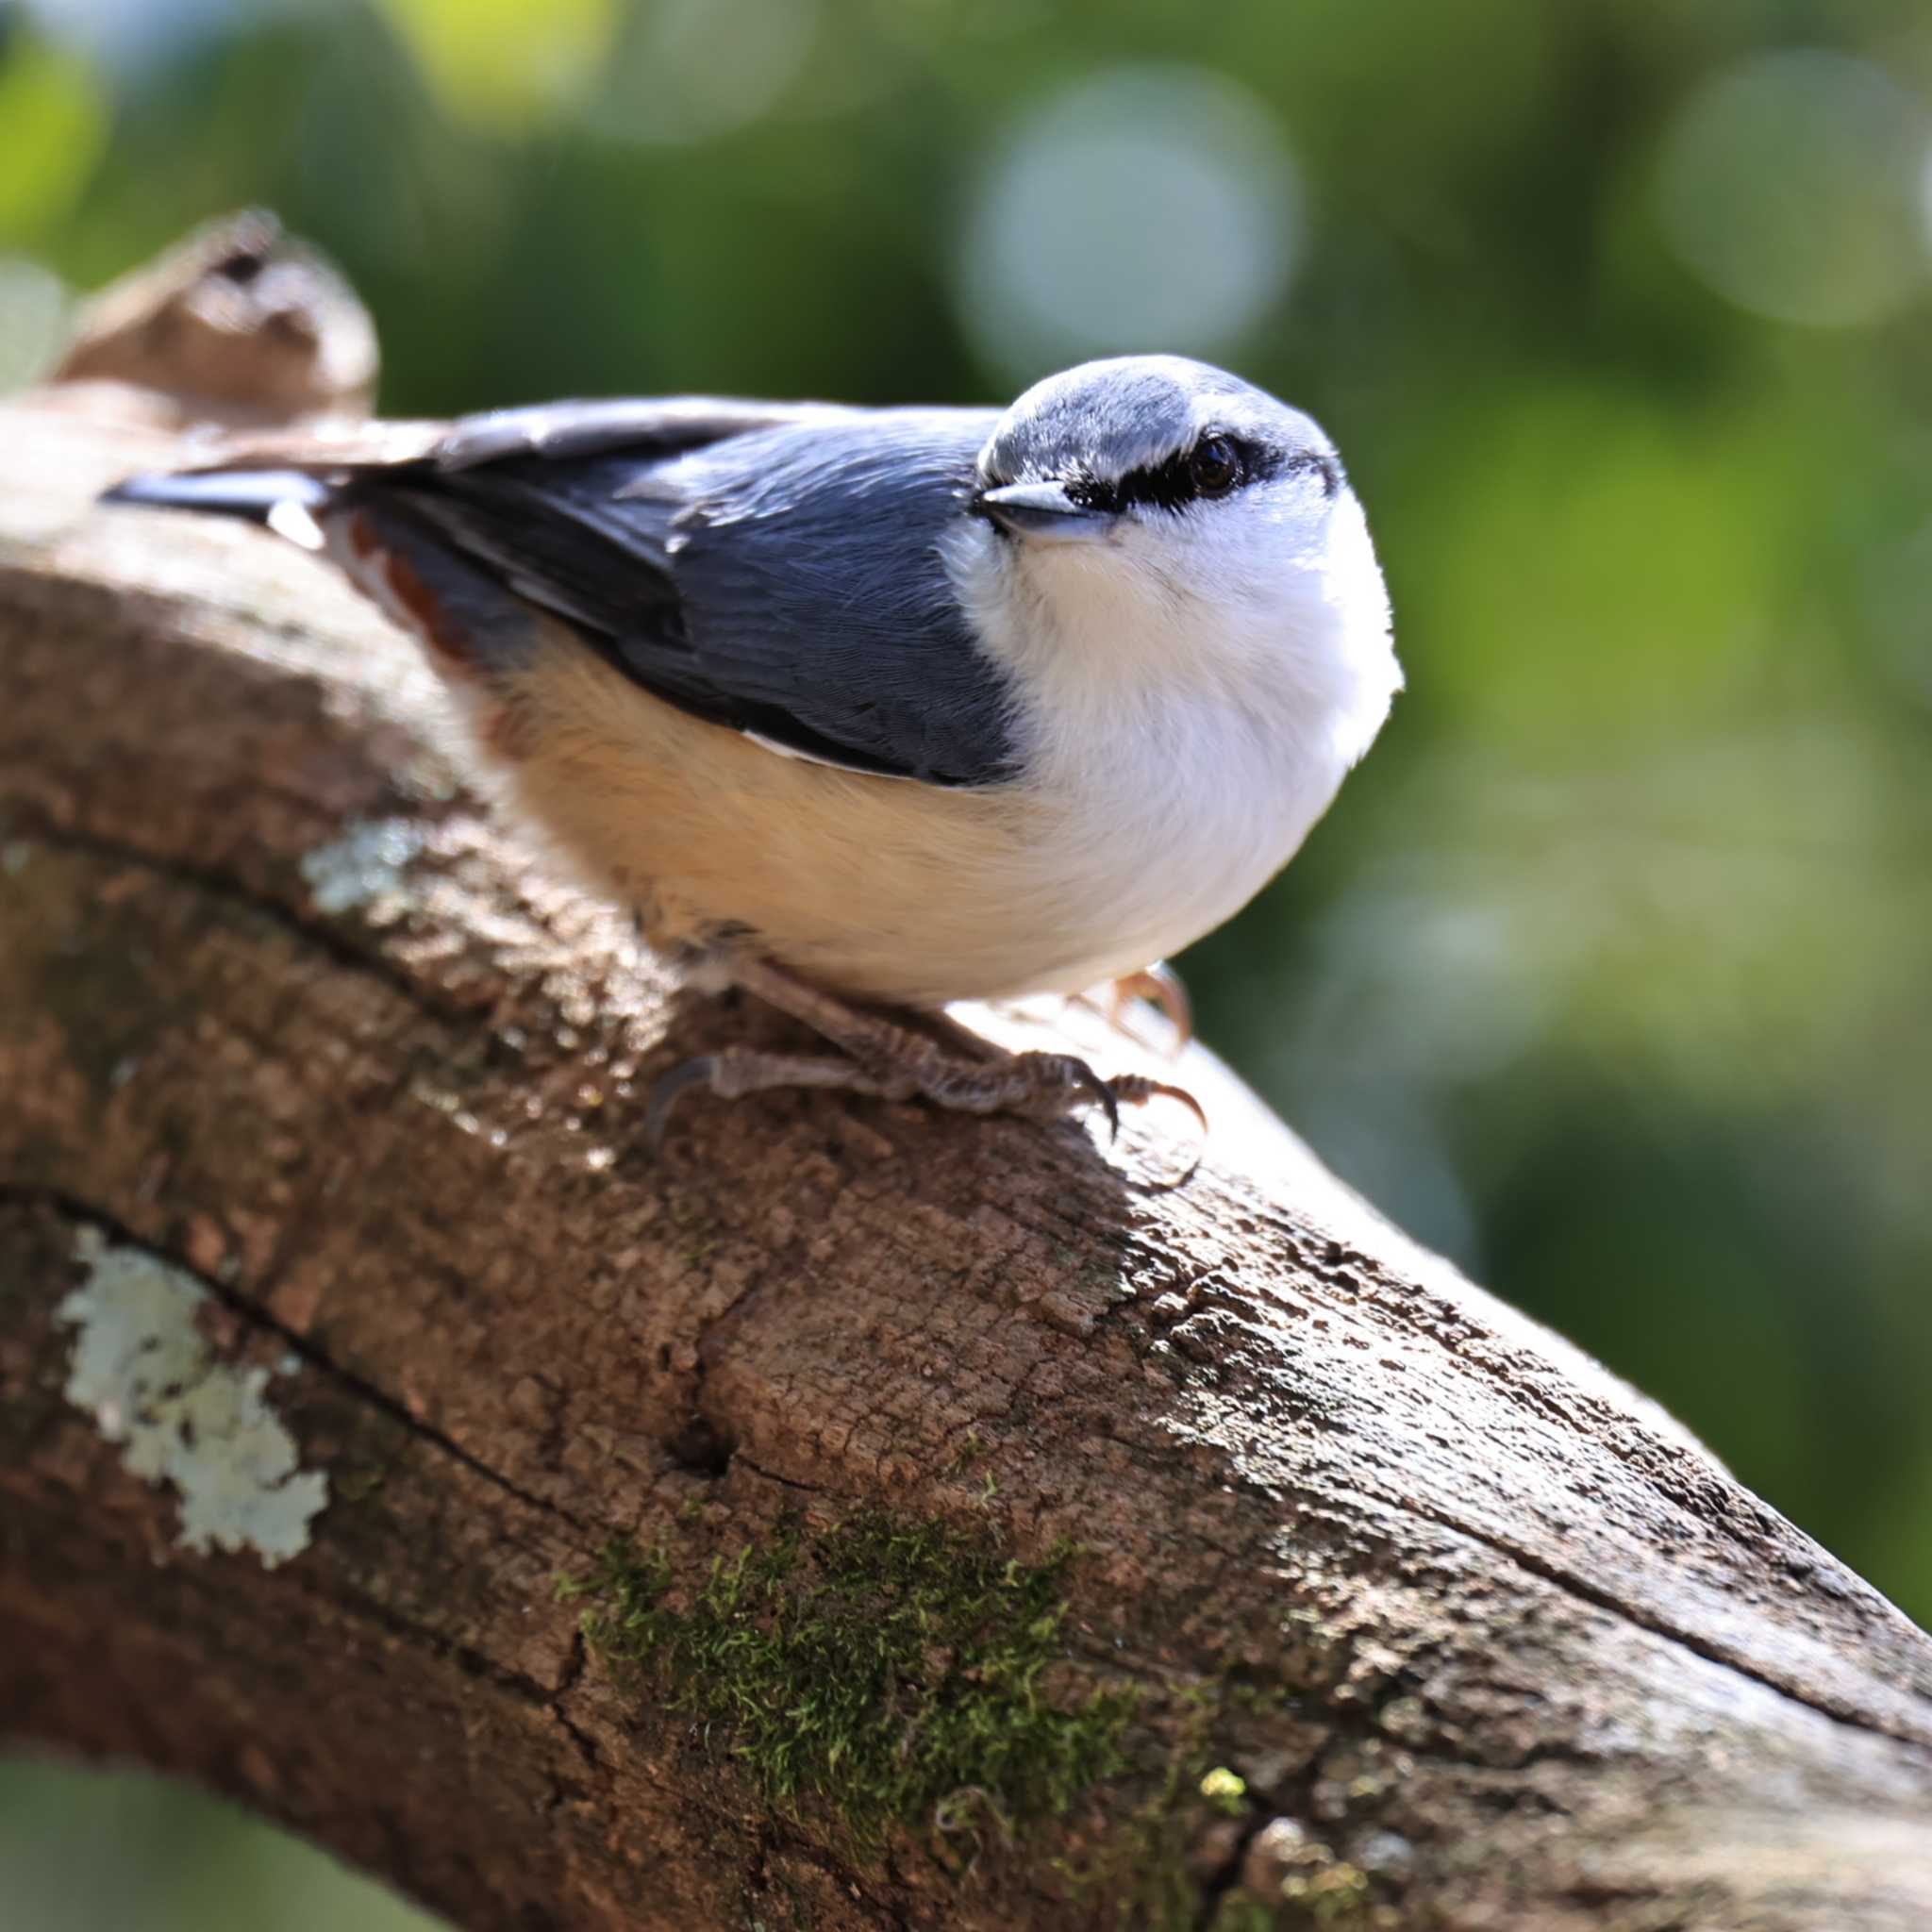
1109	420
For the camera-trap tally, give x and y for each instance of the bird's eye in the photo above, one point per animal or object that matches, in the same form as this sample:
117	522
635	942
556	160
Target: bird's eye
1215	465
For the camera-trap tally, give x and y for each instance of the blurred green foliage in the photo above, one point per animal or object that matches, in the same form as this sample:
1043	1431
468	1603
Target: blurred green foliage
54	119
118	1852
1610	971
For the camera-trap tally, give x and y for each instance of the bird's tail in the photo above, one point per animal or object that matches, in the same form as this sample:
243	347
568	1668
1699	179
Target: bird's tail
467	619
255	495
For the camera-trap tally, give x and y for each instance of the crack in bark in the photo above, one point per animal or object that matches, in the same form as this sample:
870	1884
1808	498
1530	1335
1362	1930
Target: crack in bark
72	1208
473	1662
1709	1650
32	822
1397	1306
575	1659
772	1475
1571	1585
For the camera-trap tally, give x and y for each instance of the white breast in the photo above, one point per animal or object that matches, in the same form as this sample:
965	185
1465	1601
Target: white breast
1184	742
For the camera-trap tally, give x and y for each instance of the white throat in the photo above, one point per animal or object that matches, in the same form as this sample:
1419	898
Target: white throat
1187	742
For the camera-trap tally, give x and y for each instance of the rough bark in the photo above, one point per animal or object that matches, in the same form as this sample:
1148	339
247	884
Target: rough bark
282	1010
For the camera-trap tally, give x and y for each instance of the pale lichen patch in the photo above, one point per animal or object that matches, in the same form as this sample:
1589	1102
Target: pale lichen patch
363	867
141	1369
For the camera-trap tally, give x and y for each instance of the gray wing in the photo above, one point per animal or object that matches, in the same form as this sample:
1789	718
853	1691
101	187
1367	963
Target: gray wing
774	570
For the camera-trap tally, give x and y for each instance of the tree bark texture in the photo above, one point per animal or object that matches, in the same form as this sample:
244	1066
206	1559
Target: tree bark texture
346	1311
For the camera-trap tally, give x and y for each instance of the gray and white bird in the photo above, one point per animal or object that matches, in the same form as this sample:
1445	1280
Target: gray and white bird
883	707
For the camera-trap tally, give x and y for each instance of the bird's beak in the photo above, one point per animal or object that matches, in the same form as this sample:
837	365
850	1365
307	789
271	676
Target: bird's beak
1042	510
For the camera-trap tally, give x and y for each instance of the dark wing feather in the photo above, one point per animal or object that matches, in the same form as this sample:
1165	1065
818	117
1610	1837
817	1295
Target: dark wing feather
808	564
783	577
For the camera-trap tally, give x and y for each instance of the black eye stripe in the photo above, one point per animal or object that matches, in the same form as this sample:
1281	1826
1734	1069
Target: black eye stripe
1173	485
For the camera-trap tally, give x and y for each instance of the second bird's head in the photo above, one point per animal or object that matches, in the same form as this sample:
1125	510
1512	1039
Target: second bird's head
1184	521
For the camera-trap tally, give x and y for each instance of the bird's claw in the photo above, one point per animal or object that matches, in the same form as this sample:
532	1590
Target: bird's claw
1101	1092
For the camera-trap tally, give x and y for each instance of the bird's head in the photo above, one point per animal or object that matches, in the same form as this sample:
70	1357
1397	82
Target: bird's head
1156	443
1154	518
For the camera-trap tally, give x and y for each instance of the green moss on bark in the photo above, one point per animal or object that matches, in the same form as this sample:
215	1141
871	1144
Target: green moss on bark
904	1673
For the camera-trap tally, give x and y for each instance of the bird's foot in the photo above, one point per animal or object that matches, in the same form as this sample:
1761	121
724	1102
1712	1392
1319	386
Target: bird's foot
1161	986
1043	1085
891	1061
736	1071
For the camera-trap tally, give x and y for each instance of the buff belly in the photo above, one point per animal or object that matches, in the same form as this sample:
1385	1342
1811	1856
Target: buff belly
880	888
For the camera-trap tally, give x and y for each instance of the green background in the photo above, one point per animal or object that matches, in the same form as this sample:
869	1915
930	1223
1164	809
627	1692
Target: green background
1610	973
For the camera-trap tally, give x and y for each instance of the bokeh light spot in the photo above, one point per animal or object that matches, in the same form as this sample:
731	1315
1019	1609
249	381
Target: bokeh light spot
505	64
1152	208
690	70
1793	185
33	310
130	39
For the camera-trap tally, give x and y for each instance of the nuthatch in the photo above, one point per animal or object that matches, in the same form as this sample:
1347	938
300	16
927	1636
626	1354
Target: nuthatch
898	706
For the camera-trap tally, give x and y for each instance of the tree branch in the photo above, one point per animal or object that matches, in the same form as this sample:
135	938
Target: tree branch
346	1311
